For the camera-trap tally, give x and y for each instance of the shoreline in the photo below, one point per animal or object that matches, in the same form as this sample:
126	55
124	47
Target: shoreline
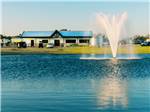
136	49
27	53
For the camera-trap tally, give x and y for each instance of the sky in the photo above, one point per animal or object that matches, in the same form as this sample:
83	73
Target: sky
19	16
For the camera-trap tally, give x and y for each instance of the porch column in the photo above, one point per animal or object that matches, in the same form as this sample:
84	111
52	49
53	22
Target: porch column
77	41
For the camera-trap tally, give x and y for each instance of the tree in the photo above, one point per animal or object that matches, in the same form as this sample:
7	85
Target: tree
139	39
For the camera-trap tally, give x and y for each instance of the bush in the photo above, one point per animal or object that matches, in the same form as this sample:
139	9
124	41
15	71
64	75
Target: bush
139	39
74	45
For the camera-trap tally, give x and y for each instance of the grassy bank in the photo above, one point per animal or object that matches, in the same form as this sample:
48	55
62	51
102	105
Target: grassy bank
136	49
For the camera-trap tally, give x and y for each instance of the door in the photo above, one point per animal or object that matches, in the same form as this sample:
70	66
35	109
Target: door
57	43
32	43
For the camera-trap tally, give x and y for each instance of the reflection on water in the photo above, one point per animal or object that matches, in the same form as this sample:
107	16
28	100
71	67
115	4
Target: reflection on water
111	90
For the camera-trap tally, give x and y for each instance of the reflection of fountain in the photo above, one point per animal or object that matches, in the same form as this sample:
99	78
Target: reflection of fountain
112	29
112	92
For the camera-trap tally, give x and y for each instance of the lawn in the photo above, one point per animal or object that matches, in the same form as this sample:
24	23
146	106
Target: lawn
134	49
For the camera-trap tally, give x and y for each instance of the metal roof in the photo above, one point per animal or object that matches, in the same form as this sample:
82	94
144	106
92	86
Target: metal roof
76	33
63	33
37	33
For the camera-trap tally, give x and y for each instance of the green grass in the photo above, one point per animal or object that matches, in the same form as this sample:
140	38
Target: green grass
134	49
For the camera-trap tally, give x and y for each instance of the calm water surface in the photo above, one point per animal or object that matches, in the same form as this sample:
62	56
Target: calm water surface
64	83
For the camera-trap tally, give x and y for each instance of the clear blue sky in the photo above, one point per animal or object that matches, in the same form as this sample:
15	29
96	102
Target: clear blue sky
25	16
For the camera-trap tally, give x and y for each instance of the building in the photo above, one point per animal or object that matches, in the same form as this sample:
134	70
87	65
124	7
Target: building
58	38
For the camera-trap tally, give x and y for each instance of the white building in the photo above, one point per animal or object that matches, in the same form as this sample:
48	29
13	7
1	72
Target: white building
58	38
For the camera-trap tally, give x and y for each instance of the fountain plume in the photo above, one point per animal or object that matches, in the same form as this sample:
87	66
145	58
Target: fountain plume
112	27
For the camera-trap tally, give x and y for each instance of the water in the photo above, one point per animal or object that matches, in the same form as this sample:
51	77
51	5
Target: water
113	27
118	56
64	83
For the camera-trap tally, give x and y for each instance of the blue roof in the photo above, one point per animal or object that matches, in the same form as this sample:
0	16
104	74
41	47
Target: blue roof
77	33
37	33
63	33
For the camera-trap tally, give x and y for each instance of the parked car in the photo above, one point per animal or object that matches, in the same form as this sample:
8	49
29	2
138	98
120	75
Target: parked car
145	44
50	45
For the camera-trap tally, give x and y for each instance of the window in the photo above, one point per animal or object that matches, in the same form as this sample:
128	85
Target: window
70	41
44	41
84	41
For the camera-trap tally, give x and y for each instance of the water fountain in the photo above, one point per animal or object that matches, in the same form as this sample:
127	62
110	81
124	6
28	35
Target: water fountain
112	27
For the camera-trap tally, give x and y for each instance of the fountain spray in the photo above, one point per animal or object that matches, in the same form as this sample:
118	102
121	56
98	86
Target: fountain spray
112	27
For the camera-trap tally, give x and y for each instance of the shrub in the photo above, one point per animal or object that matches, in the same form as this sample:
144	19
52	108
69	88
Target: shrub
74	45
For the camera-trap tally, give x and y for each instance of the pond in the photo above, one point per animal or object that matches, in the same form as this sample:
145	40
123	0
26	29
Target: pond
65	83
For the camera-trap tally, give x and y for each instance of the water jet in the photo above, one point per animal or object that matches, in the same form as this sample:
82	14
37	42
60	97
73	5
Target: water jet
112	27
